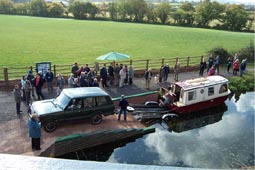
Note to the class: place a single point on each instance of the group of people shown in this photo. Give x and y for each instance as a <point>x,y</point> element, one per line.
<point>116,74</point>
<point>213,65</point>
<point>164,71</point>
<point>30,84</point>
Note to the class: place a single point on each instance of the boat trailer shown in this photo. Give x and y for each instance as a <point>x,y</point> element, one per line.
<point>150,110</point>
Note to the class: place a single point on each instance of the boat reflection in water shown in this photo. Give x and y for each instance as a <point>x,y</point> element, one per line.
<point>190,121</point>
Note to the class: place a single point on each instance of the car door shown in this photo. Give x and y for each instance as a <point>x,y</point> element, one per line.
<point>74,109</point>
<point>104,105</point>
<point>88,109</point>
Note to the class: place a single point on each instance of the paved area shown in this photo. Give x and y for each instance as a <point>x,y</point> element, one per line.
<point>14,133</point>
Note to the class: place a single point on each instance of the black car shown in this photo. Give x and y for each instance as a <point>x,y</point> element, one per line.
<point>74,104</point>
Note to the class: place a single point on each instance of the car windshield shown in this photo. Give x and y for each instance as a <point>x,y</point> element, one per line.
<point>62,101</point>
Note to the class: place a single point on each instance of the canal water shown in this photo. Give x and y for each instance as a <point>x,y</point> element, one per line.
<point>220,140</point>
<point>216,138</point>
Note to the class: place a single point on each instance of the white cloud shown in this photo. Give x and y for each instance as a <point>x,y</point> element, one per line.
<point>246,102</point>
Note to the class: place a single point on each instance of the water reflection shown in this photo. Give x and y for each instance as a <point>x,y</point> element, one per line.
<point>228,143</point>
<point>195,120</point>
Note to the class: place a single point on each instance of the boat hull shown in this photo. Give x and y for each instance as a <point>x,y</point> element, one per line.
<point>197,106</point>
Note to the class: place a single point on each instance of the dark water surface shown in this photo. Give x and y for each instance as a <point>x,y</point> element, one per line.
<point>216,140</point>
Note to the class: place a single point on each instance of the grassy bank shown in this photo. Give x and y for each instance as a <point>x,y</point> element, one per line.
<point>26,40</point>
<point>239,85</point>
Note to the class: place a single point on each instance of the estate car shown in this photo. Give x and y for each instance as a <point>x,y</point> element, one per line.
<point>74,104</point>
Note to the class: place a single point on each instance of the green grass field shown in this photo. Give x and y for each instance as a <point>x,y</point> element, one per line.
<point>25,40</point>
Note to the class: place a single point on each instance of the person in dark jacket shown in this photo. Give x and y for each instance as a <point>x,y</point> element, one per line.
<point>166,72</point>
<point>123,104</point>
<point>74,70</point>
<point>103,75</point>
<point>111,73</point>
<point>49,76</point>
<point>202,67</point>
<point>17,97</point>
<point>34,132</point>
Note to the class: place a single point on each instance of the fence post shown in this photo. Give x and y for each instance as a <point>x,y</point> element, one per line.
<point>163,61</point>
<point>5,75</point>
<point>54,70</point>
<point>188,58</point>
<point>147,64</point>
<point>131,62</point>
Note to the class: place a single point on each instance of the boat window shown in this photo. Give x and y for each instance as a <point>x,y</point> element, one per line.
<point>223,88</point>
<point>210,91</point>
<point>191,95</point>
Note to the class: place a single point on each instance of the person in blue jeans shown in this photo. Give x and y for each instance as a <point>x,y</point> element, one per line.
<point>123,104</point>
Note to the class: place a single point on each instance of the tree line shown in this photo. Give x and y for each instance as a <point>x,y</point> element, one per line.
<point>205,14</point>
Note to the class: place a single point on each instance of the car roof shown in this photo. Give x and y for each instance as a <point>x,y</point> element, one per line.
<point>84,92</point>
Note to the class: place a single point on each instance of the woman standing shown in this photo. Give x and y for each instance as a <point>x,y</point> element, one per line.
<point>34,132</point>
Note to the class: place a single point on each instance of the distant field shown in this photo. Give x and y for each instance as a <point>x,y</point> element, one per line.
<point>26,40</point>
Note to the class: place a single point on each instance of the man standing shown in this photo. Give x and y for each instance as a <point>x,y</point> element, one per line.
<point>74,70</point>
<point>123,104</point>
<point>103,75</point>
<point>111,73</point>
<point>176,70</point>
<point>217,64</point>
<point>148,76</point>
<point>17,97</point>
<point>34,132</point>
<point>49,78</point>
<point>116,74</point>
<point>166,72</point>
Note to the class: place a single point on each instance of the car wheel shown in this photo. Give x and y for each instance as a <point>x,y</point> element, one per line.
<point>50,126</point>
<point>97,119</point>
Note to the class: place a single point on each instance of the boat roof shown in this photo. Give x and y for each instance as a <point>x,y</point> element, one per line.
<point>201,82</point>
<point>84,92</point>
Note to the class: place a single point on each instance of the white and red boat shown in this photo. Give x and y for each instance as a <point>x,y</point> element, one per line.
<point>196,94</point>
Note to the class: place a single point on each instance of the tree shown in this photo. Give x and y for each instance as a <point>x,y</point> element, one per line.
<point>22,8</point>
<point>137,8</point>
<point>151,13</point>
<point>83,10</point>
<point>207,11</point>
<point>189,13</point>
<point>38,8</point>
<point>122,9</point>
<point>6,7</point>
<point>112,8</point>
<point>179,16</point>
<point>163,11</point>
<point>78,9</point>
<point>56,10</point>
<point>235,18</point>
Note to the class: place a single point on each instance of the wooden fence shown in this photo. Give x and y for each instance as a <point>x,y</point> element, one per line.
<point>15,73</point>
<point>12,75</point>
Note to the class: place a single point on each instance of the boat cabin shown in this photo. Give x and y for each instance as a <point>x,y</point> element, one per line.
<point>203,90</point>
